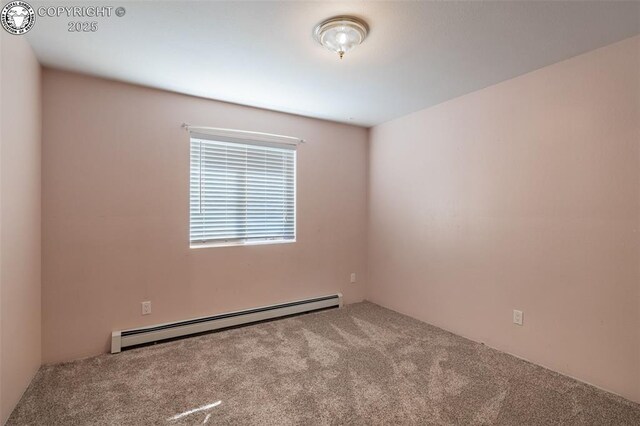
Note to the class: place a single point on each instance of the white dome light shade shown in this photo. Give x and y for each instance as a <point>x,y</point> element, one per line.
<point>341,34</point>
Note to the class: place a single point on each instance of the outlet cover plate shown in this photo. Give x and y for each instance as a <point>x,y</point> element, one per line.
<point>518,317</point>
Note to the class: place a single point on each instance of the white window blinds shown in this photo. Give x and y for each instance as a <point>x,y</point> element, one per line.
<point>241,192</point>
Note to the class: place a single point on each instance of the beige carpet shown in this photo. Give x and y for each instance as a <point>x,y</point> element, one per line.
<point>362,365</point>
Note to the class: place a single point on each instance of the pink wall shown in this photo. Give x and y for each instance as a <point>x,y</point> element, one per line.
<point>523,195</point>
<point>116,216</point>
<point>20,353</point>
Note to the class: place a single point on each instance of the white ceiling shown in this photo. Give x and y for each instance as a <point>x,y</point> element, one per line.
<point>262,54</point>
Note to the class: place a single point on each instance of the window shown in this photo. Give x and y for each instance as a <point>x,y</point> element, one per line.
<point>241,193</point>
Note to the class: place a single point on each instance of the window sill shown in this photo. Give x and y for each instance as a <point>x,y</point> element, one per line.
<point>239,244</point>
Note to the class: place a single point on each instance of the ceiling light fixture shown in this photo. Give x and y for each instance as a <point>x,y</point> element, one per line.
<point>341,33</point>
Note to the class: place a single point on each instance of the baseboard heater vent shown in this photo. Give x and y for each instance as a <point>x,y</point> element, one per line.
<point>156,333</point>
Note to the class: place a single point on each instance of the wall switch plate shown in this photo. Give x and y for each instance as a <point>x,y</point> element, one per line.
<point>517,317</point>
<point>353,277</point>
<point>146,308</point>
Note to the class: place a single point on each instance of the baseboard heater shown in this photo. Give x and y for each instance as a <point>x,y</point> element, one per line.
<point>156,333</point>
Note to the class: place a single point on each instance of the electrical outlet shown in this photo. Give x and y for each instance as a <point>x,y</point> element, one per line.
<point>353,277</point>
<point>146,308</point>
<point>517,317</point>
